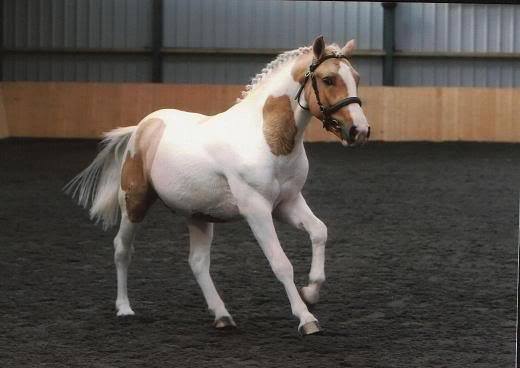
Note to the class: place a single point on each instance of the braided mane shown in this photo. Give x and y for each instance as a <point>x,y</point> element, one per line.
<point>270,67</point>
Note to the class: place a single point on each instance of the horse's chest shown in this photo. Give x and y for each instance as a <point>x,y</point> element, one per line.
<point>289,186</point>
<point>290,179</point>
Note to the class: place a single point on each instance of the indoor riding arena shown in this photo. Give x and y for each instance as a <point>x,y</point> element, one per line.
<point>415,174</point>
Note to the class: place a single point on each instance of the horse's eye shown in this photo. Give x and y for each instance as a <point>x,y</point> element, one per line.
<point>328,81</point>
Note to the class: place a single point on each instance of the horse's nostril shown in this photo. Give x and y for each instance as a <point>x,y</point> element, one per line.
<point>368,133</point>
<point>352,133</point>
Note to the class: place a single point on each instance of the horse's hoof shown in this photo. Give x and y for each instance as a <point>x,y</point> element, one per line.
<point>124,311</point>
<point>224,323</point>
<point>310,328</point>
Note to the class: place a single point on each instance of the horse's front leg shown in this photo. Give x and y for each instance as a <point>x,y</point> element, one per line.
<point>257,211</point>
<point>296,212</point>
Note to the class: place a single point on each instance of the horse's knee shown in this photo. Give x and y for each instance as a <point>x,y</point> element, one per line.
<point>318,232</point>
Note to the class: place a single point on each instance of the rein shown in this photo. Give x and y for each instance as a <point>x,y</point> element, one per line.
<point>329,123</point>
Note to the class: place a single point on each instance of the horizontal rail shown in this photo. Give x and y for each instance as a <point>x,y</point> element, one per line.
<point>456,55</point>
<point>257,51</point>
<point>251,51</point>
<point>71,51</point>
<point>167,51</point>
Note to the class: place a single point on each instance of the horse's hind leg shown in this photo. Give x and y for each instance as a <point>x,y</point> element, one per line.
<point>123,249</point>
<point>136,195</point>
<point>201,235</point>
<point>135,199</point>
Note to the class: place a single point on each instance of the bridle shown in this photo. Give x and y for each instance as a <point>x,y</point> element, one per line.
<point>329,123</point>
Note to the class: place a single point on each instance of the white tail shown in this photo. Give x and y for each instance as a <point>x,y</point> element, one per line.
<point>99,183</point>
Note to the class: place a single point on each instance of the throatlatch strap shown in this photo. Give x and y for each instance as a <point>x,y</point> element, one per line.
<point>298,94</point>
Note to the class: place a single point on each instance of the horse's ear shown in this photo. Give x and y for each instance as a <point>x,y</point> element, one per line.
<point>318,47</point>
<point>349,47</point>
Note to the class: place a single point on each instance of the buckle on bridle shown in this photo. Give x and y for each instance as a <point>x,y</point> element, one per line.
<point>331,124</point>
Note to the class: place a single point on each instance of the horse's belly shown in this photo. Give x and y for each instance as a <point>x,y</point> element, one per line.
<point>189,186</point>
<point>212,200</point>
<point>217,206</point>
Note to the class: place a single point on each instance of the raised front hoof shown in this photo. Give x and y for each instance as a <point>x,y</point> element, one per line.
<point>125,311</point>
<point>224,323</point>
<point>310,328</point>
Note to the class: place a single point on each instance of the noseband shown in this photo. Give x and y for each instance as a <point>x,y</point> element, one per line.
<point>328,121</point>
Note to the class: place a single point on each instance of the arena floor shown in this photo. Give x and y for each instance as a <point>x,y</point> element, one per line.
<point>421,267</point>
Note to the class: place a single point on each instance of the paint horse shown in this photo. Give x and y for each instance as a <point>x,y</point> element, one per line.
<point>248,161</point>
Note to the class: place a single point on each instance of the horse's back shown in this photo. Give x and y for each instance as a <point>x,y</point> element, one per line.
<point>174,116</point>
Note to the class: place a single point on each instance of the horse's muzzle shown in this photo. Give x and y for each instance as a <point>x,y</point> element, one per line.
<point>355,136</point>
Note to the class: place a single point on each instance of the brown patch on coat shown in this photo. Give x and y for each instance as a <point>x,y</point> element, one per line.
<point>135,179</point>
<point>279,126</point>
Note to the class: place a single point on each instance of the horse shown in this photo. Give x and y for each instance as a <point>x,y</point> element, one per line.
<point>246,162</point>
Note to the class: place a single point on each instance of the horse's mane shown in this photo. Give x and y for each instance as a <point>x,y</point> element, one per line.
<point>270,67</point>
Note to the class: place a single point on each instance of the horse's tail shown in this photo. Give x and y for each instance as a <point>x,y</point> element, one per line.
<point>99,183</point>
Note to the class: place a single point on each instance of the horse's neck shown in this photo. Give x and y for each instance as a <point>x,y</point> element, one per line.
<point>282,84</point>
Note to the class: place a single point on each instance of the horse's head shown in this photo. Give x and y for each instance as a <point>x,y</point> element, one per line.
<point>329,84</point>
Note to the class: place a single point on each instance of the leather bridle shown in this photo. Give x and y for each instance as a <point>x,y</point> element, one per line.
<point>329,123</point>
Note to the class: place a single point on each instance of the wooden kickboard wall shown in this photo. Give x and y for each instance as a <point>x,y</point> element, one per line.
<point>85,110</point>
